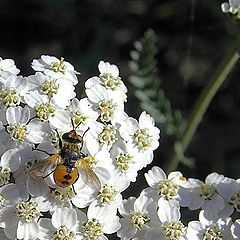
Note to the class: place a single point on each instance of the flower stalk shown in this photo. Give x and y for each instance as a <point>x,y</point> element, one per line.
<point>202,103</point>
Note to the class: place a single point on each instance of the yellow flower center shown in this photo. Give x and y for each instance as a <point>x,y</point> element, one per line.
<point>50,87</point>
<point>142,139</point>
<point>139,219</point>
<point>92,230</point>
<point>9,97</point>
<point>58,66</point>
<point>123,161</point>
<point>109,81</point>
<point>63,194</point>
<point>235,201</point>
<point>167,189</point>
<point>213,233</point>
<point>207,191</point>
<point>107,194</point>
<point>44,111</point>
<point>27,211</point>
<point>173,230</point>
<point>18,131</point>
<point>107,108</point>
<point>108,135</point>
<point>64,234</point>
<point>4,175</point>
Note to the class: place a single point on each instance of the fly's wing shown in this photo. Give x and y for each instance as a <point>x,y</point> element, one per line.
<point>87,174</point>
<point>44,167</point>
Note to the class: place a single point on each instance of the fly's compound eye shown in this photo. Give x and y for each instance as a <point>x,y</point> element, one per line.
<point>65,177</point>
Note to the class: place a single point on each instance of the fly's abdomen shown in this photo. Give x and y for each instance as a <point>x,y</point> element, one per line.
<point>64,176</point>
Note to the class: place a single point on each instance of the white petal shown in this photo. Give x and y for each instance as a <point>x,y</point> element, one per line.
<point>155,176</point>
<point>112,225</point>
<point>34,99</point>
<point>127,206</point>
<point>46,229</point>
<point>13,115</point>
<point>145,120</point>
<point>141,203</point>
<point>10,232</point>
<point>154,234</point>
<point>167,211</point>
<point>27,231</point>
<point>64,217</point>
<point>60,120</point>
<point>37,187</point>
<point>225,7</point>
<point>10,194</point>
<point>214,178</point>
<point>127,231</point>
<point>11,159</point>
<point>8,217</point>
<point>25,115</point>
<point>91,82</point>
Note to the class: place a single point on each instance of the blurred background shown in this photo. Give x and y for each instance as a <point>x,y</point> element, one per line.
<point>192,37</point>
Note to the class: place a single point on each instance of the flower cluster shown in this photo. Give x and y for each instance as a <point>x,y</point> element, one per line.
<point>47,134</point>
<point>38,115</point>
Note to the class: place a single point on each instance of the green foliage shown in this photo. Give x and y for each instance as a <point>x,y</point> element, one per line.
<point>147,85</point>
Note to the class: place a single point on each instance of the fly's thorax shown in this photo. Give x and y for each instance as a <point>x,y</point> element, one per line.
<point>70,151</point>
<point>72,146</point>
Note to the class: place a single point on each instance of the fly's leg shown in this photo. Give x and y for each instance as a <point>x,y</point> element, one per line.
<point>40,150</point>
<point>59,139</point>
<point>48,174</point>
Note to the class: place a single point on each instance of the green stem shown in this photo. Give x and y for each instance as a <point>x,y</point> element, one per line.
<point>203,102</point>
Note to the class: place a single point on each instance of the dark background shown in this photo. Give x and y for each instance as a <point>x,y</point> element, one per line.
<point>85,32</point>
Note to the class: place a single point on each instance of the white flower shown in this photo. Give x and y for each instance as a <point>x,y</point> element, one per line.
<point>233,7</point>
<point>56,68</point>
<point>205,195</point>
<point>229,189</point>
<point>203,229</point>
<point>7,68</point>
<point>12,90</point>
<point>138,216</point>
<point>57,198</point>
<point>109,108</point>
<point>10,162</point>
<point>21,129</point>
<point>126,160</point>
<point>109,197</point>
<point>103,136</point>
<point>20,220</point>
<point>170,226</point>
<point>163,188</point>
<point>60,91</point>
<point>98,223</point>
<point>143,134</point>
<point>83,114</point>
<point>47,111</point>
<point>63,225</point>
<point>110,80</point>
